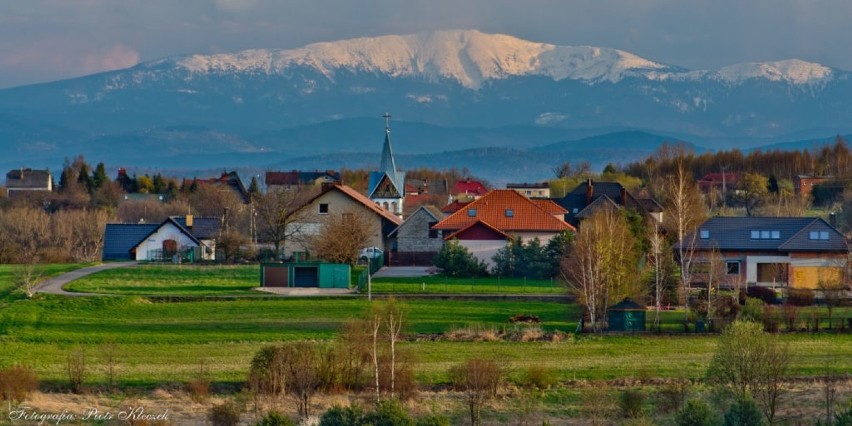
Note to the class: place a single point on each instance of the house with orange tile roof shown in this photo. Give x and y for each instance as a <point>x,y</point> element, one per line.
<point>339,199</point>
<point>484,225</point>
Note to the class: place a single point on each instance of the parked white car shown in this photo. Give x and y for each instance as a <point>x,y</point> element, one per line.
<point>371,252</point>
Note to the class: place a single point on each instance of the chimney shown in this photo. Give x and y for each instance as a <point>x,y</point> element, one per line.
<point>189,221</point>
<point>623,197</point>
<point>832,219</point>
<point>425,186</point>
<point>590,191</point>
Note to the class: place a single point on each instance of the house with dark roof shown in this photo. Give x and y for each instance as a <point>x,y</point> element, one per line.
<point>227,181</point>
<point>277,181</point>
<point>582,201</point>
<point>417,243</point>
<point>785,252</point>
<point>334,200</point>
<point>191,238</point>
<point>531,190</point>
<point>20,180</point>
<point>485,225</point>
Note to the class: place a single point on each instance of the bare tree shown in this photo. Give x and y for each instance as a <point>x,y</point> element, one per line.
<point>656,259</point>
<point>393,314</point>
<point>832,295</point>
<point>685,212</point>
<point>27,276</point>
<point>716,271</point>
<point>479,380</point>
<point>278,215</point>
<point>601,266</point>
<point>76,369</point>
<point>342,236</point>
<point>374,325</point>
<point>302,377</point>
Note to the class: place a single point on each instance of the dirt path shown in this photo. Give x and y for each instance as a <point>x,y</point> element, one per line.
<point>55,284</point>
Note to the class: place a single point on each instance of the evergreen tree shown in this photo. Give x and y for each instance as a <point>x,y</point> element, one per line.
<point>253,189</point>
<point>85,178</point>
<point>100,177</point>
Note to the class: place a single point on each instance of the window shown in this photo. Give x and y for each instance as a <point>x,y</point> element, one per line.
<point>823,235</point>
<point>433,233</point>
<point>323,208</point>
<point>510,213</point>
<point>732,267</point>
<point>705,234</point>
<point>755,235</point>
<point>764,235</point>
<point>575,210</point>
<point>813,235</point>
<point>776,235</point>
<point>471,212</point>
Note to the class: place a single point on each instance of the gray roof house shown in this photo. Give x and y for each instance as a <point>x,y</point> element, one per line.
<point>792,252</point>
<point>416,242</point>
<point>28,180</point>
<point>184,235</point>
<point>586,198</point>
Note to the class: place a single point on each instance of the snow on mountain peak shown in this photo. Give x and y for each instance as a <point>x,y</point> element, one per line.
<point>467,56</point>
<point>793,71</point>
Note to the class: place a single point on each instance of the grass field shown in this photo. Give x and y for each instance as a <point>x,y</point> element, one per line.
<point>7,274</point>
<point>167,342</point>
<point>437,284</point>
<point>184,280</point>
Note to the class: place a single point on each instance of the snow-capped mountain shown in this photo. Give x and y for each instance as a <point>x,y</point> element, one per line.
<point>444,80</point>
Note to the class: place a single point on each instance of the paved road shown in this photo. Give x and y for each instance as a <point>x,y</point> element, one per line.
<point>55,284</point>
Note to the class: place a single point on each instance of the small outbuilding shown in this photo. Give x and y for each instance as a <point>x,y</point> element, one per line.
<point>626,315</point>
<point>305,274</point>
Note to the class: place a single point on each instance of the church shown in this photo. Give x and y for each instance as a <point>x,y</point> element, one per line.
<point>387,185</point>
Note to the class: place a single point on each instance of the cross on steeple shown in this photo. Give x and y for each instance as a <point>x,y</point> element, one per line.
<point>387,117</point>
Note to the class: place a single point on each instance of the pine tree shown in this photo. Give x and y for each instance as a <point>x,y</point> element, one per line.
<point>100,177</point>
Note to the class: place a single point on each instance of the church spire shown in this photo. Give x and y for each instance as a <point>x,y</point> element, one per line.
<point>388,164</point>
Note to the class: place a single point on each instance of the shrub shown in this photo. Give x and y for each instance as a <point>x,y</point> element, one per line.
<point>16,383</point>
<point>672,396</point>
<point>791,314</point>
<point>342,416</point>
<point>456,261</point>
<point>274,418</point>
<point>631,402</point>
<point>198,389</point>
<point>744,413</point>
<point>225,414</point>
<point>753,310</point>
<point>770,319</point>
<point>478,379</point>
<point>767,295</point>
<point>540,377</point>
<point>76,369</point>
<point>800,297</point>
<point>388,413</point>
<point>525,318</point>
<point>433,420</point>
<point>268,370</point>
<point>697,413</point>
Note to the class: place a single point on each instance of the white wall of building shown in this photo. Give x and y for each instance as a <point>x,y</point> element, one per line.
<point>155,241</point>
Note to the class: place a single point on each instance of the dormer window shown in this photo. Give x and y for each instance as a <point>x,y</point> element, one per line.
<point>575,210</point>
<point>510,213</point>
<point>471,212</point>
<point>704,234</point>
<point>776,235</point>
<point>818,235</point>
<point>755,235</point>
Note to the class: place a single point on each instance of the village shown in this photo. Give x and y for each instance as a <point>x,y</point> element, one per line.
<point>656,250</point>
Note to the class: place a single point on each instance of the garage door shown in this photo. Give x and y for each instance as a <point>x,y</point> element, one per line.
<point>306,277</point>
<point>275,276</point>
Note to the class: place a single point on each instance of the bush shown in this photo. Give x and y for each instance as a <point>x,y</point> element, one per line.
<point>697,413</point>
<point>744,413</point>
<point>631,402</point>
<point>388,413</point>
<point>671,396</point>
<point>800,297</point>
<point>274,418</point>
<point>753,310</point>
<point>791,314</point>
<point>198,389</point>
<point>225,414</point>
<point>268,370</point>
<point>770,319</point>
<point>767,295</point>
<point>540,377</point>
<point>342,416</point>
<point>456,261</point>
<point>433,420</point>
<point>525,318</point>
<point>16,383</point>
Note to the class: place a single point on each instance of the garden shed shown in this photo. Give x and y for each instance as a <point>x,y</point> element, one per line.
<point>626,315</point>
<point>305,274</point>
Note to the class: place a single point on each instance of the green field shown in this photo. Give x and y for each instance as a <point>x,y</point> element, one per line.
<point>184,280</point>
<point>7,274</point>
<point>436,284</point>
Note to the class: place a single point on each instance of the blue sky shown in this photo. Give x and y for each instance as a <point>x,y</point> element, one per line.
<point>45,40</point>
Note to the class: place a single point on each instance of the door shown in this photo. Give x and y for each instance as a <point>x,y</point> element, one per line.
<point>306,276</point>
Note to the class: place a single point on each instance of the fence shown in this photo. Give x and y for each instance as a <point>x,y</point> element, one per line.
<point>187,255</point>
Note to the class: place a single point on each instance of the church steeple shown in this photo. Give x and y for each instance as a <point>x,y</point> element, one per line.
<point>387,185</point>
<point>388,164</point>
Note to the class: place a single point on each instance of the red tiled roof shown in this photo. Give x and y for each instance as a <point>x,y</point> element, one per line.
<point>550,206</point>
<point>473,187</point>
<point>361,198</point>
<point>491,208</point>
<point>454,206</point>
